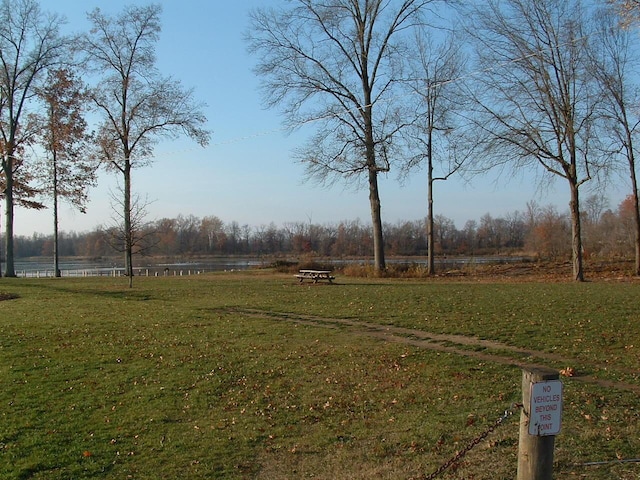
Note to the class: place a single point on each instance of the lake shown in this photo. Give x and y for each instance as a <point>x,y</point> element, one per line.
<point>75,267</point>
<point>78,267</point>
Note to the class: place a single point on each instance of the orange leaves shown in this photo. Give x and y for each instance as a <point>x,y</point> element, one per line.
<point>568,372</point>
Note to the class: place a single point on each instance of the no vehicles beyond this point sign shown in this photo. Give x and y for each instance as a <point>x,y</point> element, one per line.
<point>546,408</point>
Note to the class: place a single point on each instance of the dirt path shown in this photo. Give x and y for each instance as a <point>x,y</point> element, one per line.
<point>457,344</point>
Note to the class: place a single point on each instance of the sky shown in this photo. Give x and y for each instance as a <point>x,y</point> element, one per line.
<point>246,173</point>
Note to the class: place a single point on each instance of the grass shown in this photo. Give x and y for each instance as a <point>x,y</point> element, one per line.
<point>246,376</point>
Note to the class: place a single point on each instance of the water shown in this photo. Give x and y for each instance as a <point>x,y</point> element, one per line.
<point>91,268</point>
<point>77,267</point>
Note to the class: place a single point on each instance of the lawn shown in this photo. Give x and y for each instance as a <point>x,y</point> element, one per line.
<point>254,376</point>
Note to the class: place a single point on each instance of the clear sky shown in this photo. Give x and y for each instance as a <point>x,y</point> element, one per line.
<point>247,174</point>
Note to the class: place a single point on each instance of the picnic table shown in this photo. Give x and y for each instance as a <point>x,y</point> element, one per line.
<point>315,275</point>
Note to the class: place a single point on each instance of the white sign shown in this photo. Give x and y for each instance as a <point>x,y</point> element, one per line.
<point>546,408</point>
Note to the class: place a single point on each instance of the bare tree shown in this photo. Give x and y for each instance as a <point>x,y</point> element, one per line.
<point>213,232</point>
<point>437,131</point>
<point>336,63</point>
<point>615,66</point>
<point>536,96</point>
<point>69,170</point>
<point>629,11</point>
<point>137,104</point>
<point>138,234</point>
<point>594,208</point>
<point>30,44</point>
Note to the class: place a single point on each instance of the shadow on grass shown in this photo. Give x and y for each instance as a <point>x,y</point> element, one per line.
<point>8,296</point>
<point>115,293</point>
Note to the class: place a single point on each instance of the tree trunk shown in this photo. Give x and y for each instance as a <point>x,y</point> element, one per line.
<point>636,206</point>
<point>431,265</point>
<point>8,217</point>
<point>128,234</point>
<point>376,218</point>
<point>637,228</point>
<point>56,256</point>
<point>576,234</point>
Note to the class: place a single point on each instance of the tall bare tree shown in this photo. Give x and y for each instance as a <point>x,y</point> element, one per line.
<point>68,170</point>
<point>615,66</point>
<point>30,44</point>
<point>336,63</point>
<point>536,96</point>
<point>438,132</point>
<point>138,105</point>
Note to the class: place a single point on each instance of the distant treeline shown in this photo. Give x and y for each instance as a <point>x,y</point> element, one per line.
<point>539,231</point>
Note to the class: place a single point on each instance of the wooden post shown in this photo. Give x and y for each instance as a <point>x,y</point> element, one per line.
<point>535,453</point>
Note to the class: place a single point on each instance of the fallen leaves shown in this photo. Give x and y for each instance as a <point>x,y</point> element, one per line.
<point>568,372</point>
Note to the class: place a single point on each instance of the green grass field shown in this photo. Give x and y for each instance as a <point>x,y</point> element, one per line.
<point>253,376</point>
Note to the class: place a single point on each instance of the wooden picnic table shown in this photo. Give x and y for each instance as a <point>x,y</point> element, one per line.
<point>315,275</point>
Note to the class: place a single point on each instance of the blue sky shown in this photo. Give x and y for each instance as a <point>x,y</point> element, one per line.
<point>247,174</point>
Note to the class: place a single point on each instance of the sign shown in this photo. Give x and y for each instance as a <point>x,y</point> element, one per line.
<point>545,410</point>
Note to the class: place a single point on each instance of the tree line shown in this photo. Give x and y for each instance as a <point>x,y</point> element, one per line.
<point>539,88</point>
<point>539,232</point>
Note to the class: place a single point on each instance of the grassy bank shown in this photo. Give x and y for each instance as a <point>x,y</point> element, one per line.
<point>249,375</point>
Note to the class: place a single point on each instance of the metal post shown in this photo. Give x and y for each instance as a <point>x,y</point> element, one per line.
<point>535,452</point>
